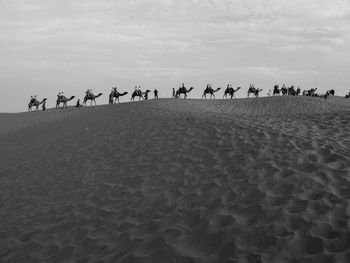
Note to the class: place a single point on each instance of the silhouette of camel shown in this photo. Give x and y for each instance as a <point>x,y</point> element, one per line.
<point>276,90</point>
<point>284,90</point>
<point>184,91</point>
<point>91,97</point>
<point>139,94</point>
<point>328,93</point>
<point>347,95</point>
<point>116,95</point>
<point>35,103</point>
<point>63,99</point>
<point>255,91</point>
<point>211,91</point>
<point>230,91</point>
<point>292,91</point>
<point>310,92</point>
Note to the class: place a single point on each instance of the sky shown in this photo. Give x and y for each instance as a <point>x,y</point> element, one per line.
<point>51,46</point>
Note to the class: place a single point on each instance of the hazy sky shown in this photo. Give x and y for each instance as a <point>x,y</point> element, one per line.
<point>48,46</point>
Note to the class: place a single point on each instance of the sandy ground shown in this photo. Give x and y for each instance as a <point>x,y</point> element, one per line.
<point>246,180</point>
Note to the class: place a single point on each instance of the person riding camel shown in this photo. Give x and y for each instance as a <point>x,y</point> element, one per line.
<point>89,92</point>
<point>60,95</point>
<point>32,99</point>
<point>137,90</point>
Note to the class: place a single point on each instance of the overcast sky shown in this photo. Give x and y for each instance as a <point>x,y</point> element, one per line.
<point>48,46</point>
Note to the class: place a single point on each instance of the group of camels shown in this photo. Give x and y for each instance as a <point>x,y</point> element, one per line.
<point>64,100</point>
<point>61,102</point>
<point>229,92</point>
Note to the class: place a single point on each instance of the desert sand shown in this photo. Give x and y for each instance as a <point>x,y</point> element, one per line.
<point>245,180</point>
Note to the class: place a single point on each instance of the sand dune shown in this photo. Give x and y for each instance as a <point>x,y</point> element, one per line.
<point>246,180</point>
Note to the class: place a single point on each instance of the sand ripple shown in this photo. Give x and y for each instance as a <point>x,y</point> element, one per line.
<point>179,181</point>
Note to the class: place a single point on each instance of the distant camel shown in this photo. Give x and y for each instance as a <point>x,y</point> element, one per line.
<point>254,91</point>
<point>184,91</point>
<point>35,103</point>
<point>292,91</point>
<point>328,93</point>
<point>140,94</point>
<point>310,92</point>
<point>230,91</point>
<point>91,97</point>
<point>211,91</point>
<point>347,95</point>
<point>276,90</point>
<point>63,99</point>
<point>115,94</point>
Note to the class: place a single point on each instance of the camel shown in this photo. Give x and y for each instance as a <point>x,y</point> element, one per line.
<point>254,91</point>
<point>276,90</point>
<point>291,91</point>
<point>328,93</point>
<point>115,94</point>
<point>347,95</point>
<point>284,90</point>
<point>310,92</point>
<point>63,99</point>
<point>91,97</point>
<point>231,91</point>
<point>184,91</point>
<point>211,91</point>
<point>35,103</point>
<point>140,94</point>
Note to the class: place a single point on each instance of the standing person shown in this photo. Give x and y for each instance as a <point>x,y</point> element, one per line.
<point>156,94</point>
<point>44,105</point>
<point>78,103</point>
<point>173,92</point>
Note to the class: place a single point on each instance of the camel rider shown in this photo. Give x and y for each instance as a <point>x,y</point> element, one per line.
<point>137,90</point>
<point>89,92</point>
<point>32,100</point>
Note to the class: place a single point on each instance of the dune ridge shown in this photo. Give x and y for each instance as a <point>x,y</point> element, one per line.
<point>251,180</point>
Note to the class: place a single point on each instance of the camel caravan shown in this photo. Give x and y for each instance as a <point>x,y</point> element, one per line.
<point>181,93</point>
<point>35,103</point>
